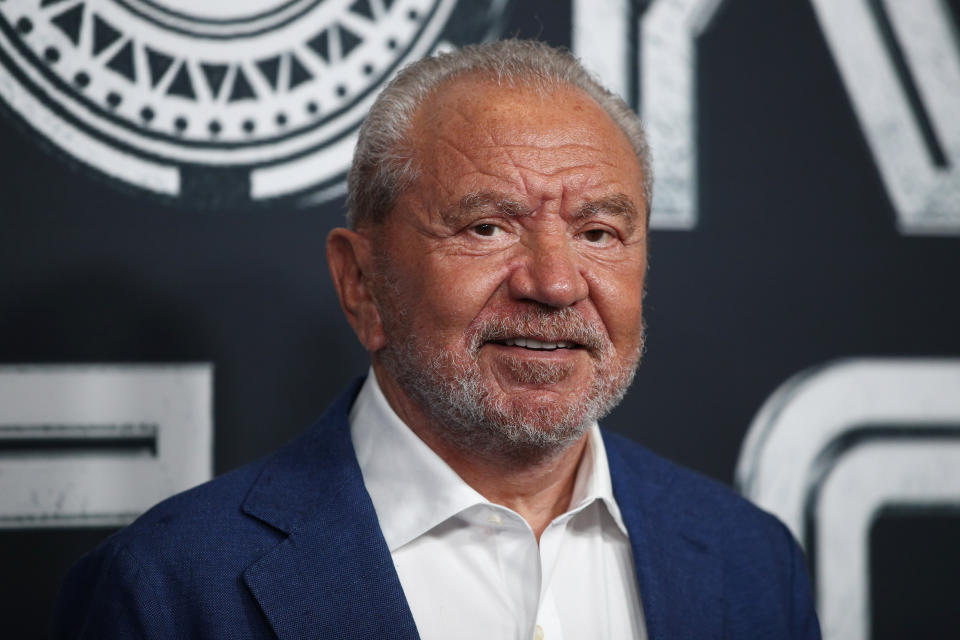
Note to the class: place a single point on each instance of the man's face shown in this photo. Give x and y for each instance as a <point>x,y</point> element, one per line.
<point>511,274</point>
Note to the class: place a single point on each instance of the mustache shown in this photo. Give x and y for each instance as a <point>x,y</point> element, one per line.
<point>542,323</point>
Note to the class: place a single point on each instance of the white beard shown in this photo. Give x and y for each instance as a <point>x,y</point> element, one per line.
<point>475,417</point>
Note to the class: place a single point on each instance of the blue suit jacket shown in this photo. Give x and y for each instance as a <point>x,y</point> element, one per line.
<point>290,547</point>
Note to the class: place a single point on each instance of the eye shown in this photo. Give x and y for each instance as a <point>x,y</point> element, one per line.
<point>597,236</point>
<point>486,229</point>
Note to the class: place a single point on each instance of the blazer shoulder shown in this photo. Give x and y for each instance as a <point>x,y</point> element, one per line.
<point>204,526</point>
<point>761,569</point>
<point>182,569</point>
<point>706,501</point>
<point>189,548</point>
<point>204,514</point>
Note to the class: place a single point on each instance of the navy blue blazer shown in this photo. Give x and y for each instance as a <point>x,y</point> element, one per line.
<point>290,547</point>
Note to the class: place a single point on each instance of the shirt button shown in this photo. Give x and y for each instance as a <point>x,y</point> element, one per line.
<point>538,633</point>
<point>494,518</point>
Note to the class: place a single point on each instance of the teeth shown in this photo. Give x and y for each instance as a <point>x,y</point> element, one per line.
<point>530,343</point>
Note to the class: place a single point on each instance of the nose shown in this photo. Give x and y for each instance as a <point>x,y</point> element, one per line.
<point>548,272</point>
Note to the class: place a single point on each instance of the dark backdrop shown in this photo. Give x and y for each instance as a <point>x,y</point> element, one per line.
<point>796,260</point>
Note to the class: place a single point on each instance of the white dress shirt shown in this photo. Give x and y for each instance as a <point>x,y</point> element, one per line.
<point>472,569</point>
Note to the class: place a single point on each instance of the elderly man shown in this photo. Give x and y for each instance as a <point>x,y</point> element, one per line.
<point>494,270</point>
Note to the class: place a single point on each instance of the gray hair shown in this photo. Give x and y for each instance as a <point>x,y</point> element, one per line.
<point>383,164</point>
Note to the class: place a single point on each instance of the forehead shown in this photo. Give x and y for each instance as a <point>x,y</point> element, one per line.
<point>475,135</point>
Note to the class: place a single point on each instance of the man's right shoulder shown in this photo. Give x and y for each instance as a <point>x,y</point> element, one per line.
<point>193,547</point>
<point>195,514</point>
<point>183,561</point>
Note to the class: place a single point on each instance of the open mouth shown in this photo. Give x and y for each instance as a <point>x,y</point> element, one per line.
<point>537,345</point>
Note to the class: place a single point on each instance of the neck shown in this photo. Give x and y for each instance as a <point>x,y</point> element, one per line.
<point>538,490</point>
<point>538,485</point>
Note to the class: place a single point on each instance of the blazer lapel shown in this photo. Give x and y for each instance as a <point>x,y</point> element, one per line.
<point>678,572</point>
<point>332,577</point>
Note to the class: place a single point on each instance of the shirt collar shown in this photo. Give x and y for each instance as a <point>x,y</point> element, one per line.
<point>414,490</point>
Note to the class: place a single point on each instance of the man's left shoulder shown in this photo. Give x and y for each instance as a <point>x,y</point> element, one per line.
<point>698,499</point>
<point>753,546</point>
<point>743,555</point>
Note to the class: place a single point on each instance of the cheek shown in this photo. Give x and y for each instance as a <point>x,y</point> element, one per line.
<point>453,292</point>
<point>618,297</point>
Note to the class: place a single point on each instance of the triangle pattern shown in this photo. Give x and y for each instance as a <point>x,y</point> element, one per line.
<point>363,8</point>
<point>122,62</point>
<point>104,34</point>
<point>298,73</point>
<point>47,3</point>
<point>158,63</point>
<point>182,85</point>
<point>348,41</point>
<point>215,74</point>
<point>320,44</point>
<point>241,87</point>
<point>270,68</point>
<point>69,22</point>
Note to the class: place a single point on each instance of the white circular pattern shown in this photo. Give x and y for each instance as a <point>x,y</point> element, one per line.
<point>214,10</point>
<point>245,85</point>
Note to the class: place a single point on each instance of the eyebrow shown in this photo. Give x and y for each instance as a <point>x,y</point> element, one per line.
<point>617,204</point>
<point>491,201</point>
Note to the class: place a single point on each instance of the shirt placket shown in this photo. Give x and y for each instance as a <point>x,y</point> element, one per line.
<point>547,625</point>
<point>519,563</point>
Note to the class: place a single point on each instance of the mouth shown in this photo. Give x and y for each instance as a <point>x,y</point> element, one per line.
<point>535,344</point>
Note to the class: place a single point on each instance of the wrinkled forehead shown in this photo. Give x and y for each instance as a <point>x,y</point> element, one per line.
<point>473,132</point>
<point>476,109</point>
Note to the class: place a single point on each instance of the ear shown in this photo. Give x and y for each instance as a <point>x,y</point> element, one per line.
<point>349,257</point>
